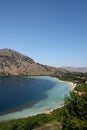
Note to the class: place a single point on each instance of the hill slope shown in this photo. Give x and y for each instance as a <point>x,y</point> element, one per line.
<point>15,63</point>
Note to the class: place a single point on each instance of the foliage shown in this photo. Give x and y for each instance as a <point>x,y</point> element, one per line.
<point>75,112</point>
<point>73,115</point>
<point>31,122</point>
<point>82,88</point>
<point>76,77</point>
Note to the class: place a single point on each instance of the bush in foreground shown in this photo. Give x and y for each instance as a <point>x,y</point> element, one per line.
<point>75,112</point>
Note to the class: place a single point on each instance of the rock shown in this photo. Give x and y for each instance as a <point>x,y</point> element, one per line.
<point>15,63</point>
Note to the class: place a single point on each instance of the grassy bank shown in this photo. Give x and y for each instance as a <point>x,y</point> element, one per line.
<point>33,122</point>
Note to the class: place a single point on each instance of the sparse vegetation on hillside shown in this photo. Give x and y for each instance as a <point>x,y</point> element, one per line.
<point>14,63</point>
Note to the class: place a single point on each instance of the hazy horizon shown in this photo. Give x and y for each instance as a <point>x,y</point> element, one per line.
<point>50,32</point>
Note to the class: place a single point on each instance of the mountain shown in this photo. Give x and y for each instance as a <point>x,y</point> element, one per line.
<point>15,63</point>
<point>76,69</point>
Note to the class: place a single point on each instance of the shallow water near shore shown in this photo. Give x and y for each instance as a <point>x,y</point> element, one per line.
<point>34,95</point>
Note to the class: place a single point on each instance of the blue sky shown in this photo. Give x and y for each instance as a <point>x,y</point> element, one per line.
<point>52,32</point>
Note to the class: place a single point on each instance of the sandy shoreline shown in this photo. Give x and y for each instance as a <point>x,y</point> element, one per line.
<point>51,110</point>
<point>70,84</point>
<point>30,112</point>
<point>73,85</point>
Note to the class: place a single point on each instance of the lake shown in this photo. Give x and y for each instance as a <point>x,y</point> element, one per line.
<point>27,96</point>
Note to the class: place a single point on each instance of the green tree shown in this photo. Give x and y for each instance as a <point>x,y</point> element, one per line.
<point>75,112</point>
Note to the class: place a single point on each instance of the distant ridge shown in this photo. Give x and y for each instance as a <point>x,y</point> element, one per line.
<point>76,69</point>
<point>15,63</point>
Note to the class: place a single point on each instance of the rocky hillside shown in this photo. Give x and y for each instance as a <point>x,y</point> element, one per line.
<point>14,63</point>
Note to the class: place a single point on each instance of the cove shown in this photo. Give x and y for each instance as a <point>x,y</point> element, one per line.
<point>27,96</point>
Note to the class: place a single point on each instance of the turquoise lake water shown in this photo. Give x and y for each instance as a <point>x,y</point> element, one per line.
<point>27,96</point>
